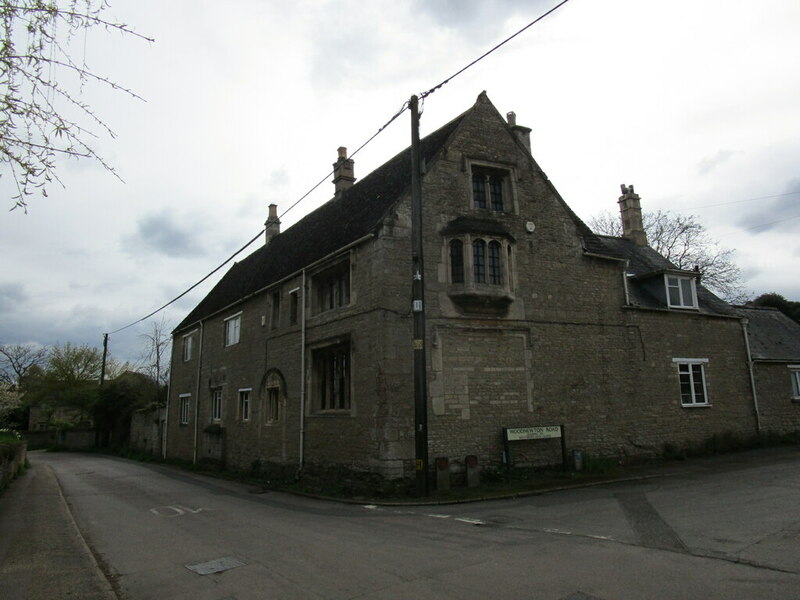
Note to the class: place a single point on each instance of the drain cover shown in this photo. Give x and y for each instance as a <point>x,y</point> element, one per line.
<point>216,566</point>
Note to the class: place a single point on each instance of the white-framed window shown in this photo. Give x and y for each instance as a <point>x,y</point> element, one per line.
<point>681,291</point>
<point>185,402</point>
<point>794,373</point>
<point>692,377</point>
<point>233,326</point>
<point>244,404</point>
<point>216,405</point>
<point>188,345</point>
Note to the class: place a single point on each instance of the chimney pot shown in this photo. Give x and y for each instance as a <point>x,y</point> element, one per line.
<point>343,172</point>
<point>272,226</point>
<point>631,214</point>
<point>523,134</point>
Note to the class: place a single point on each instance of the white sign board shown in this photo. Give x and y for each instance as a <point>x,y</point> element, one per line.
<point>514,434</point>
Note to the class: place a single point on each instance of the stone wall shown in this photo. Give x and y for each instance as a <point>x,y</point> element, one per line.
<point>146,431</point>
<point>780,413</point>
<point>12,457</point>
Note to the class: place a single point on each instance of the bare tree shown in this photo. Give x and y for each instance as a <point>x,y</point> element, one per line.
<point>684,241</point>
<point>155,358</point>
<point>42,116</point>
<point>17,359</point>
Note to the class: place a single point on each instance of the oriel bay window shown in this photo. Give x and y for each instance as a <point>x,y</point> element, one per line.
<point>331,377</point>
<point>487,260</point>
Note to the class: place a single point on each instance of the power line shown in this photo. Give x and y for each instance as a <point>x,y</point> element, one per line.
<point>424,95</point>
<point>771,223</point>
<point>261,231</point>
<point>394,117</point>
<point>739,201</point>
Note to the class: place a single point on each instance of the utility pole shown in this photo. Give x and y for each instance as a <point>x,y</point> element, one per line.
<point>105,354</point>
<point>418,310</point>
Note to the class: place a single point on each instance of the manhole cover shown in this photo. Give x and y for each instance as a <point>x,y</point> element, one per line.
<point>215,566</point>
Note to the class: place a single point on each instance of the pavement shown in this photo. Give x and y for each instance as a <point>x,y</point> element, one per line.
<point>43,554</point>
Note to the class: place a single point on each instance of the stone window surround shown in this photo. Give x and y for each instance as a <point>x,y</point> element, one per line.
<point>468,282</point>
<point>216,405</point>
<point>317,351</point>
<point>331,286</point>
<point>274,397</point>
<point>690,364</point>
<point>509,175</point>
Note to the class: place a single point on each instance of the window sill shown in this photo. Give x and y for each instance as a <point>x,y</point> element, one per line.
<point>332,413</point>
<point>696,405</point>
<point>483,300</point>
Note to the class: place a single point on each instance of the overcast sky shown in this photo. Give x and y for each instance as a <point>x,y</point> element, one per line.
<point>693,101</point>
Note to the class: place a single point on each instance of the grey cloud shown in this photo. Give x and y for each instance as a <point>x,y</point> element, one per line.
<point>162,233</point>
<point>478,18</point>
<point>277,177</point>
<point>780,214</point>
<point>710,163</point>
<point>12,295</point>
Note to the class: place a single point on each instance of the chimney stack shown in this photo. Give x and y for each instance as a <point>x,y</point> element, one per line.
<point>343,177</point>
<point>523,134</point>
<point>272,226</point>
<point>631,212</point>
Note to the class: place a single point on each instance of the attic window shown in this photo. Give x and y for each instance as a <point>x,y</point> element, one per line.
<point>681,291</point>
<point>489,189</point>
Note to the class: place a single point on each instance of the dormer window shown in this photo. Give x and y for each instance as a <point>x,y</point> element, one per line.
<point>681,291</point>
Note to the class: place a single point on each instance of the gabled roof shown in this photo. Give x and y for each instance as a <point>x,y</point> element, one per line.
<point>359,211</point>
<point>643,263</point>
<point>772,335</point>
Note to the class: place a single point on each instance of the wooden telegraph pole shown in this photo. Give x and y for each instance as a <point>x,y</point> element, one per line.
<point>418,310</point>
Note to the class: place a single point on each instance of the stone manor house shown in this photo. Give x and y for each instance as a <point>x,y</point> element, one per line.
<point>301,356</point>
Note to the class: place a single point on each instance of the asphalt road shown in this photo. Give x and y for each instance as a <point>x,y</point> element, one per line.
<point>722,528</point>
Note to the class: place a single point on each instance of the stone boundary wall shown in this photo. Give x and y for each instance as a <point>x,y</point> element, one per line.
<point>11,461</point>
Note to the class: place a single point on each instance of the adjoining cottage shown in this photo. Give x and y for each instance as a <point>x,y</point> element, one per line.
<point>301,356</point>
<point>773,345</point>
